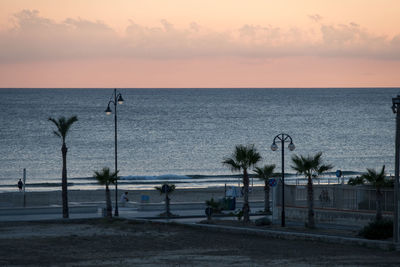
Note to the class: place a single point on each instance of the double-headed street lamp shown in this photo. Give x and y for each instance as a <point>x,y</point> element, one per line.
<point>396,230</point>
<point>283,138</point>
<point>115,99</point>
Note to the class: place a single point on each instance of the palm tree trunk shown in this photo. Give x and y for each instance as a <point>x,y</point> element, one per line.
<point>167,204</point>
<point>310,204</point>
<point>378,204</point>
<point>246,208</point>
<point>266,197</point>
<point>108,202</point>
<point>64,188</point>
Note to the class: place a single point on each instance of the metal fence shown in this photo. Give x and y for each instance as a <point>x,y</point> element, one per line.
<point>342,197</point>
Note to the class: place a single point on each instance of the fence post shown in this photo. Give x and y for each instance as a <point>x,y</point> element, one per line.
<point>356,202</point>
<point>23,186</point>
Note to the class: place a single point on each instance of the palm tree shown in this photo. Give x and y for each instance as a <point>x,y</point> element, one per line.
<point>63,125</point>
<point>243,158</point>
<point>311,167</point>
<point>166,189</point>
<point>106,178</point>
<point>377,180</point>
<point>264,174</point>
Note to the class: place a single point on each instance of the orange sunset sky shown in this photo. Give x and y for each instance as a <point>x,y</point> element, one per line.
<point>208,43</point>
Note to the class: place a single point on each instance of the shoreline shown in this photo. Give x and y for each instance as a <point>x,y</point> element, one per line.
<point>194,182</point>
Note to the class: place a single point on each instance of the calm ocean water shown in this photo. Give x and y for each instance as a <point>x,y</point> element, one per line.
<point>189,131</point>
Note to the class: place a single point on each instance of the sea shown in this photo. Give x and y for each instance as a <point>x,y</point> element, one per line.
<point>181,136</point>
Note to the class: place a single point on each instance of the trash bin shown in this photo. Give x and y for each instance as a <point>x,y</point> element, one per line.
<point>228,203</point>
<point>231,201</point>
<point>145,199</point>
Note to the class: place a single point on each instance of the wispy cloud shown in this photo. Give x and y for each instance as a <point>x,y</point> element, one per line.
<point>315,17</point>
<point>37,38</point>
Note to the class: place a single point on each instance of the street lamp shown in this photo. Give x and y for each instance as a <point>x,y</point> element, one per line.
<point>396,224</point>
<point>115,99</point>
<point>283,138</point>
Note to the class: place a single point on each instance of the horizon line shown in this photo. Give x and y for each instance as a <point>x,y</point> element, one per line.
<point>312,87</point>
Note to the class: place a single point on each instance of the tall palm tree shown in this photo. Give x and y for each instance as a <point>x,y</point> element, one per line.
<point>63,125</point>
<point>377,180</point>
<point>104,177</point>
<point>166,189</point>
<point>311,167</point>
<point>264,174</point>
<point>243,158</point>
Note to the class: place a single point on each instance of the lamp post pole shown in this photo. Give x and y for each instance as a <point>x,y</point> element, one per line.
<point>283,138</point>
<point>116,99</point>
<point>396,224</point>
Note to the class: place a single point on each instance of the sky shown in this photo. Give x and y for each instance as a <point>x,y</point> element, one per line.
<point>193,43</point>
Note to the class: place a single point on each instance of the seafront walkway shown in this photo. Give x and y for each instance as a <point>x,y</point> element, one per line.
<point>331,233</point>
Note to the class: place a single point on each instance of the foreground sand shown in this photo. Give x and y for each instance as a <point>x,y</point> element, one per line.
<point>87,196</point>
<point>127,243</point>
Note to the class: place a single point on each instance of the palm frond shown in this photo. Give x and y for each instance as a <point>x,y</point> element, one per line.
<point>171,188</point>
<point>310,166</point>
<point>159,189</point>
<point>63,125</point>
<point>57,134</point>
<point>324,168</point>
<point>56,123</point>
<point>298,164</point>
<point>374,178</point>
<point>266,172</point>
<point>105,177</point>
<point>232,164</point>
<point>356,181</point>
<point>243,157</point>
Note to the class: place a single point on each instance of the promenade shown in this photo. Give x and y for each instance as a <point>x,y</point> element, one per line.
<point>191,217</point>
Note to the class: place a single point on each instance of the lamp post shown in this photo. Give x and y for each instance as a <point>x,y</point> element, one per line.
<point>283,138</point>
<point>115,99</point>
<point>396,224</point>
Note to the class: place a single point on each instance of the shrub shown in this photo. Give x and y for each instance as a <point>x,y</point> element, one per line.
<point>214,205</point>
<point>378,229</point>
<point>239,214</point>
<point>263,221</point>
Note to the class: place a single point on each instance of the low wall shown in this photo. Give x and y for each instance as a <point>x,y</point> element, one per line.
<point>173,206</point>
<point>254,205</point>
<point>47,210</point>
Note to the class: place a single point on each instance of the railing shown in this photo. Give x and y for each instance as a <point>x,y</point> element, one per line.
<point>338,196</point>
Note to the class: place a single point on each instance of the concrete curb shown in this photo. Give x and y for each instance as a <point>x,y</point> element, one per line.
<point>46,210</point>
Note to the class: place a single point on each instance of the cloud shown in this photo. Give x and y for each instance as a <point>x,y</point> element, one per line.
<point>351,40</point>
<point>36,38</point>
<point>315,17</point>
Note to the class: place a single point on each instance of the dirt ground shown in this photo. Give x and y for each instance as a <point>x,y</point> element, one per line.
<point>101,242</point>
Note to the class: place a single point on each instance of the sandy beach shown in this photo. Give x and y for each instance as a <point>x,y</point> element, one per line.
<point>96,196</point>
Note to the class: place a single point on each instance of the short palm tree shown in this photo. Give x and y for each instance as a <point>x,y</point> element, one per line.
<point>377,180</point>
<point>166,189</point>
<point>243,158</point>
<point>105,177</point>
<point>311,167</point>
<point>63,125</point>
<point>264,174</point>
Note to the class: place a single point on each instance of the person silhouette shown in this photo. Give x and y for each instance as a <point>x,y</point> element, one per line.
<point>20,184</point>
<point>124,199</point>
